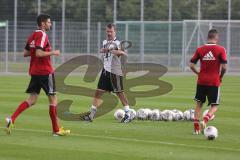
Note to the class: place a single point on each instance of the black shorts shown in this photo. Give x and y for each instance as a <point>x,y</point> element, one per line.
<point>110,82</point>
<point>211,92</point>
<point>46,82</point>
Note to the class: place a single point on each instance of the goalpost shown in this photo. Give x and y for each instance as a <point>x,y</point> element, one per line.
<point>173,43</point>
<point>195,34</point>
<point>4,29</point>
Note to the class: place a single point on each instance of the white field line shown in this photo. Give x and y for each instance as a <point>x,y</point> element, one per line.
<point>136,140</point>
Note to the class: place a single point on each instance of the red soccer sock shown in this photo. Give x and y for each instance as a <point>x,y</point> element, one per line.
<point>206,118</point>
<point>24,105</point>
<point>53,115</point>
<point>196,124</point>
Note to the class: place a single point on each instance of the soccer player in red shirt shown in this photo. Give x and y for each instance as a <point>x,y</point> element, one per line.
<point>42,75</point>
<point>213,60</point>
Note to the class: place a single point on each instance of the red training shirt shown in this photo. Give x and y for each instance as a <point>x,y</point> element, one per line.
<point>211,56</point>
<point>39,65</point>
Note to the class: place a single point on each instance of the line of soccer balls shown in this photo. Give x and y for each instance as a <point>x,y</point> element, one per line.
<point>210,132</point>
<point>157,115</point>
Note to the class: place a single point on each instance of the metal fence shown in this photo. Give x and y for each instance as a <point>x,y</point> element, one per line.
<point>168,43</point>
<point>165,37</point>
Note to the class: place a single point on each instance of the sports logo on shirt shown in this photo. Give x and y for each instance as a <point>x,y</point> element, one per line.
<point>209,57</point>
<point>32,44</point>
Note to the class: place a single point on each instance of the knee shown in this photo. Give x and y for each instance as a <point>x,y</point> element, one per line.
<point>98,94</point>
<point>31,102</point>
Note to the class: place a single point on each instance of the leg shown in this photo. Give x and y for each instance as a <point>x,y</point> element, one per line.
<point>197,115</point>
<point>97,97</point>
<point>210,113</point>
<point>124,101</point>
<point>31,100</point>
<point>53,112</point>
<point>122,98</point>
<point>48,85</point>
<point>96,103</point>
<point>33,90</point>
<point>23,106</point>
<point>213,99</point>
<point>200,98</point>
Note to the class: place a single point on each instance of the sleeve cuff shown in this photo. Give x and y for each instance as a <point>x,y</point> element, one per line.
<point>223,62</point>
<point>193,61</point>
<point>38,47</point>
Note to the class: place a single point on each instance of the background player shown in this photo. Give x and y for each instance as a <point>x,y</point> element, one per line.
<point>111,78</point>
<point>213,60</point>
<point>42,75</point>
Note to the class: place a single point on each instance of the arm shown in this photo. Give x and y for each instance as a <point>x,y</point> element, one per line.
<point>223,61</point>
<point>104,50</point>
<point>119,52</point>
<point>193,68</point>
<point>193,61</point>
<point>116,52</point>
<point>41,53</point>
<point>26,53</point>
<point>223,71</point>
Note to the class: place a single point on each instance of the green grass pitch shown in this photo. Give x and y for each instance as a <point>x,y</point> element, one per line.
<point>106,139</point>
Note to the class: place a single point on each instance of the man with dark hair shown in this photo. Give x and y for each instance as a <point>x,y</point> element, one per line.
<point>42,75</point>
<point>213,60</point>
<point>111,78</point>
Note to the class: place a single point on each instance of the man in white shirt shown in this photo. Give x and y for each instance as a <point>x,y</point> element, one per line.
<point>111,79</point>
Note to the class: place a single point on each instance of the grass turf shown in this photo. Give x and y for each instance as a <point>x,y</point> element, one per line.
<point>108,139</point>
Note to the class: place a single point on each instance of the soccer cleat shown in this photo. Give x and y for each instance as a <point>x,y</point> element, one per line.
<point>126,118</point>
<point>9,125</point>
<point>61,132</point>
<point>87,118</point>
<point>203,126</point>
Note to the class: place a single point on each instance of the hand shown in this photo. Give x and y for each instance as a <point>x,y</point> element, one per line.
<point>220,79</point>
<point>104,50</point>
<point>56,52</point>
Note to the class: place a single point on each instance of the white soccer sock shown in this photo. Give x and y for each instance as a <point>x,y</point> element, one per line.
<point>126,108</point>
<point>93,111</point>
<point>93,108</point>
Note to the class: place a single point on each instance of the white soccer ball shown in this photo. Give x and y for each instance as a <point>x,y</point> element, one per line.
<point>211,132</point>
<point>132,114</point>
<point>186,115</point>
<point>181,117</point>
<point>160,116</point>
<point>119,114</point>
<point>142,114</point>
<point>189,114</point>
<point>177,115</point>
<point>192,112</point>
<point>155,115</point>
<point>205,113</point>
<point>167,115</point>
<point>149,113</point>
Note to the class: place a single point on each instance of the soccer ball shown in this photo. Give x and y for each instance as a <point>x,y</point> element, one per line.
<point>205,113</point>
<point>132,113</point>
<point>167,115</point>
<point>142,114</point>
<point>177,115</point>
<point>192,112</point>
<point>155,116</point>
<point>189,114</point>
<point>211,132</point>
<point>119,114</point>
<point>149,113</point>
<point>186,115</point>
